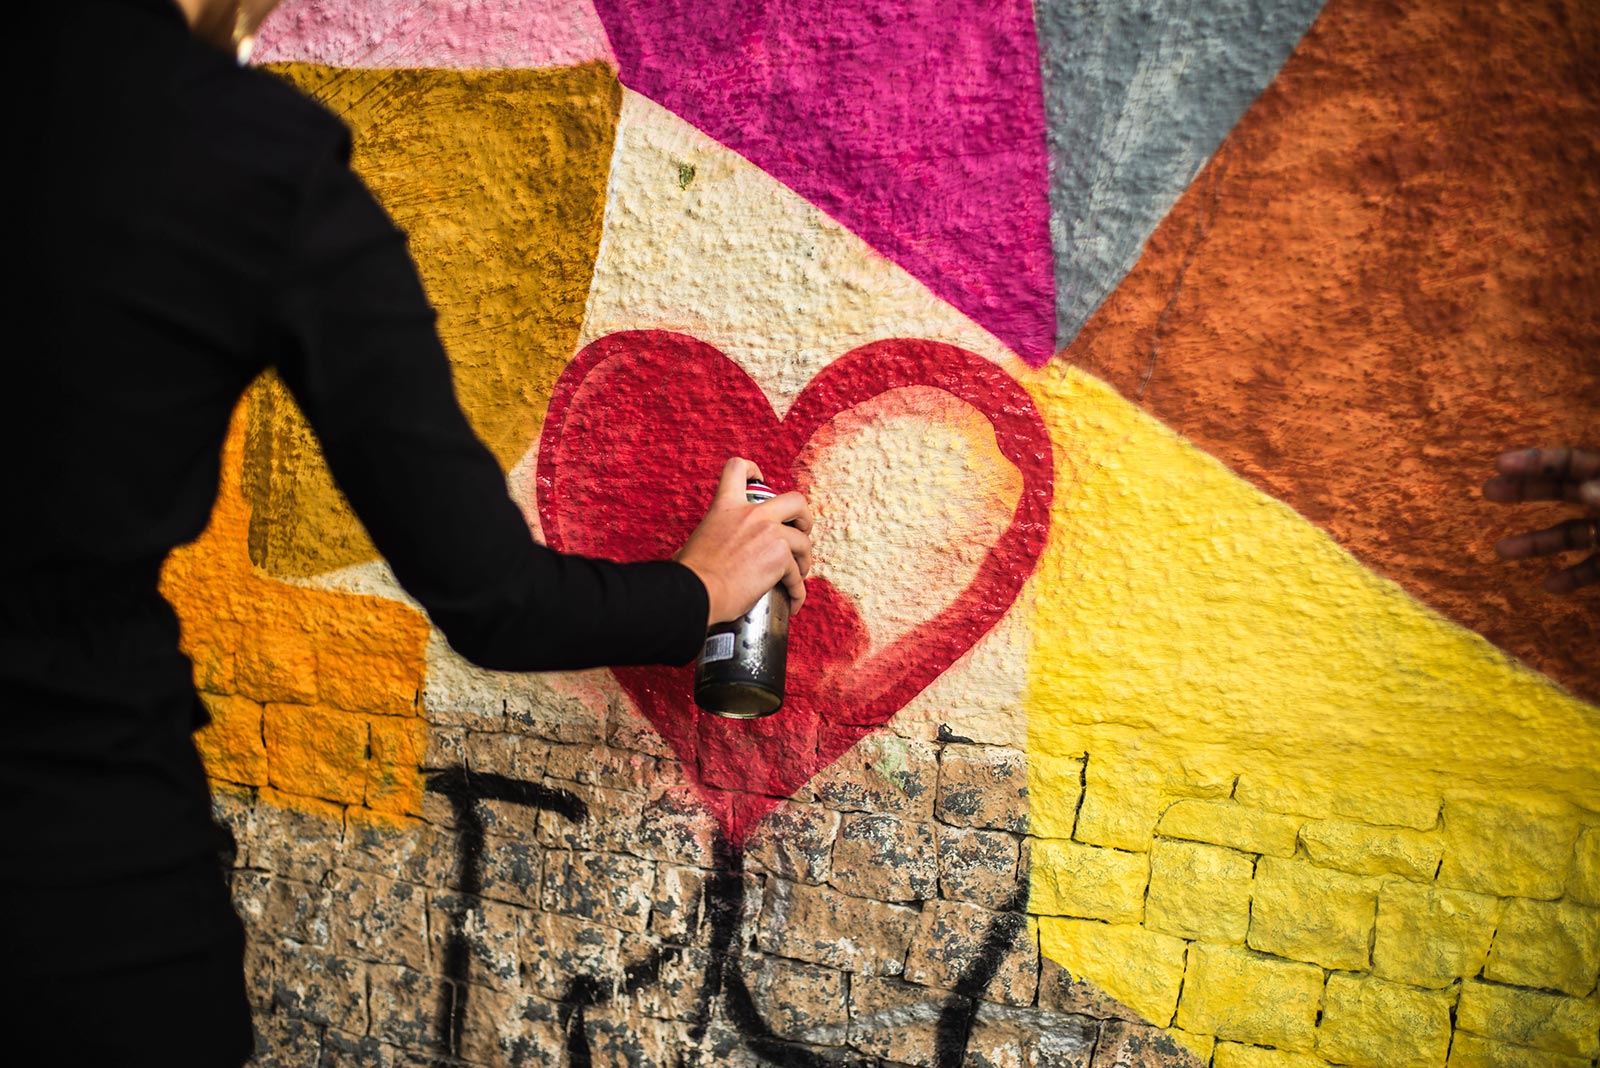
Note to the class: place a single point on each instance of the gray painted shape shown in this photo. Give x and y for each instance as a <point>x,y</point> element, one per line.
<point>1138,95</point>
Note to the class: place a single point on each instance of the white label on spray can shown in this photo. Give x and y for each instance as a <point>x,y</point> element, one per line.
<point>718,647</point>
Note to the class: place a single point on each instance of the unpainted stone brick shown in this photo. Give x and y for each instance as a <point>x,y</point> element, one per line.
<point>978,866</point>
<point>1508,848</point>
<point>626,729</point>
<point>610,824</point>
<point>1236,994</point>
<point>403,849</point>
<point>1199,891</point>
<point>675,826</point>
<point>609,888</point>
<point>459,694</point>
<point>489,930</point>
<point>1073,879</point>
<point>885,858</point>
<point>799,1001</point>
<point>680,976</point>
<point>1550,944</point>
<point>795,841</point>
<point>896,1020</point>
<point>341,1050</point>
<point>295,838</point>
<point>1005,1037</point>
<point>260,970</point>
<point>603,766</point>
<point>297,911</point>
<point>1124,1044</point>
<point>1062,992</point>
<point>317,986</point>
<point>1230,824</point>
<point>1373,1023</point>
<point>510,871</point>
<point>882,773</point>
<point>569,709</point>
<point>234,808</point>
<point>511,1029</point>
<point>1431,936</point>
<point>956,942</point>
<point>284,1041</point>
<point>618,1039</point>
<point>509,820</point>
<point>1312,914</point>
<point>556,949</point>
<point>1535,1018</point>
<point>732,902</point>
<point>821,925</point>
<point>493,753</point>
<point>378,919</point>
<point>983,786</point>
<point>446,748</point>
<point>404,1002</point>
<point>1142,969</point>
<point>675,904</point>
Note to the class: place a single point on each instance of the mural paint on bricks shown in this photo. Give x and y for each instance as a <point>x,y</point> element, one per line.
<point>483,34</point>
<point>1379,284</point>
<point>919,126</point>
<point>1138,97</point>
<point>606,419</point>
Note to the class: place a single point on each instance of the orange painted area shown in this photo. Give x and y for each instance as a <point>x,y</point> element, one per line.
<point>1389,273</point>
<point>313,694</point>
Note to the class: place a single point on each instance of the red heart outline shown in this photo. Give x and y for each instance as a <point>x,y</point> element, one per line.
<point>607,487</point>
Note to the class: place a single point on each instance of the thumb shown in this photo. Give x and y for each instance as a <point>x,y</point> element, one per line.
<point>1589,493</point>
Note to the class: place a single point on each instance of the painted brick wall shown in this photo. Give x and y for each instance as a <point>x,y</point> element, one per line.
<point>1118,738</point>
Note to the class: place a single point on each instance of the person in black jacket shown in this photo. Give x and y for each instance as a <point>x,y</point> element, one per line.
<point>185,224</point>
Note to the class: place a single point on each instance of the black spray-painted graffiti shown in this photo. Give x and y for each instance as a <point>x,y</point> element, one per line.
<point>724,911</point>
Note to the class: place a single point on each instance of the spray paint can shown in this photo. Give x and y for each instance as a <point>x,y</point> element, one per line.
<point>741,670</point>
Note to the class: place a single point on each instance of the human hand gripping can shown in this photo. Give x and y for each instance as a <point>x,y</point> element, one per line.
<point>740,672</point>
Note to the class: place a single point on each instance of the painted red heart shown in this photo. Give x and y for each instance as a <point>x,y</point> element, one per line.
<point>638,429</point>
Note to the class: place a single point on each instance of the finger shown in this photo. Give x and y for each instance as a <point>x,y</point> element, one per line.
<point>1561,538</point>
<point>735,473</point>
<point>1514,489</point>
<point>794,584</point>
<point>1571,579</point>
<point>791,510</point>
<point>1562,463</point>
<point>799,548</point>
<point>1589,493</point>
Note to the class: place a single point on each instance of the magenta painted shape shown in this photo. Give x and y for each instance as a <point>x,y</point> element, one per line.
<point>481,34</point>
<point>917,124</point>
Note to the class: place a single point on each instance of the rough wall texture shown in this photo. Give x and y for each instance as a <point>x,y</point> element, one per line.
<point>1098,755</point>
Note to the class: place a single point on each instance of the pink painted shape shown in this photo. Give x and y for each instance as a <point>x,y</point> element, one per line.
<point>917,124</point>
<point>477,34</point>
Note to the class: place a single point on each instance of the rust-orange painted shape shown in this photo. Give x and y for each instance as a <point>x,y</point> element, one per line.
<point>1388,274</point>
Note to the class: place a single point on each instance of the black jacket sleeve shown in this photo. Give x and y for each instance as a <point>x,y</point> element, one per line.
<point>358,348</point>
